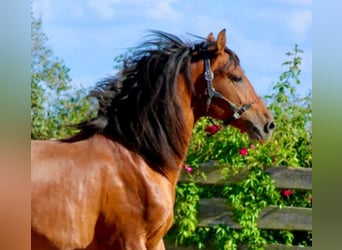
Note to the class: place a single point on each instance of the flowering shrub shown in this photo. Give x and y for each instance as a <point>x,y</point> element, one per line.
<point>289,146</point>
<point>212,129</point>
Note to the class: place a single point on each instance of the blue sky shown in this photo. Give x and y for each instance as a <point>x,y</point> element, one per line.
<point>87,34</point>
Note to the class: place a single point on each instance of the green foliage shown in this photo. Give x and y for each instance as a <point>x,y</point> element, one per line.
<point>248,198</point>
<point>293,115</point>
<point>291,145</point>
<point>52,97</point>
<point>54,103</point>
<point>186,210</point>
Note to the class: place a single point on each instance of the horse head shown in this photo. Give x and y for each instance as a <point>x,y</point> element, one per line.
<point>224,92</point>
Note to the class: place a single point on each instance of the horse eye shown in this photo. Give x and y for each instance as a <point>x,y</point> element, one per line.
<point>236,78</point>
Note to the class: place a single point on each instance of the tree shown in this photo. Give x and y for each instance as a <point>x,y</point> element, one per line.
<point>52,97</point>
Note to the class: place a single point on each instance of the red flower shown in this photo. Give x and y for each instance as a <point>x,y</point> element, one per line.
<point>274,159</point>
<point>212,129</point>
<point>287,192</point>
<point>187,168</point>
<point>243,151</point>
<point>310,198</point>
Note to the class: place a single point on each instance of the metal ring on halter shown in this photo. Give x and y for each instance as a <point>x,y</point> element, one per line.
<point>209,75</point>
<point>237,114</point>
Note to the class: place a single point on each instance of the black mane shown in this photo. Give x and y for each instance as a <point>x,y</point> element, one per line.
<point>140,107</point>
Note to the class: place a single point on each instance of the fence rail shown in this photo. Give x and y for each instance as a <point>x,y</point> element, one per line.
<point>214,211</point>
<point>284,177</point>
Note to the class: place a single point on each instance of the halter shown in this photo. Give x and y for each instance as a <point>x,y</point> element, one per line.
<point>211,92</point>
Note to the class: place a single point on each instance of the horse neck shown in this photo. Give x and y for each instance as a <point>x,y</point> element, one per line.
<point>185,96</point>
<point>191,110</point>
<point>198,100</point>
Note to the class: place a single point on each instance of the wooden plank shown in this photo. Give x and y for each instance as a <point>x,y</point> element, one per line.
<point>288,218</point>
<point>214,176</point>
<point>294,178</point>
<point>214,212</point>
<point>169,245</point>
<point>284,247</point>
<point>284,177</point>
<point>276,247</point>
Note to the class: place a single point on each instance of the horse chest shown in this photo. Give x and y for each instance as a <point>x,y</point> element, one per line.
<point>136,207</point>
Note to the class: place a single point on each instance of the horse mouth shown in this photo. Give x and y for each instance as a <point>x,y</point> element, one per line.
<point>255,134</point>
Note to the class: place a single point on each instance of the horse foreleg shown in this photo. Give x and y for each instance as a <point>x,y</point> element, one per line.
<point>125,246</point>
<point>40,242</point>
<point>160,246</point>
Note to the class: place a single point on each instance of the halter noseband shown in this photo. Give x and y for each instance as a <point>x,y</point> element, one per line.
<point>211,92</point>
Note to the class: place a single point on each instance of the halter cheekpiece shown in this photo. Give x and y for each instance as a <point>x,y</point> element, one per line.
<point>211,92</point>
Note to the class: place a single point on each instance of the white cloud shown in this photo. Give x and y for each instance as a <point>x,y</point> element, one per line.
<point>163,10</point>
<point>299,22</point>
<point>109,9</point>
<point>297,2</point>
<point>50,10</point>
<point>42,9</point>
<point>88,34</point>
<point>105,9</point>
<point>76,9</point>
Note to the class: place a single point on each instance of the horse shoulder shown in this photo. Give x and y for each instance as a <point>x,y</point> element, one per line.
<point>66,186</point>
<point>136,200</point>
<point>160,200</point>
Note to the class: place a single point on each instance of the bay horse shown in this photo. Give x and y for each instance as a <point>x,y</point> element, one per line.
<point>112,185</point>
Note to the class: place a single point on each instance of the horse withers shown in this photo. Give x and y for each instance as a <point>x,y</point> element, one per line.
<point>112,185</point>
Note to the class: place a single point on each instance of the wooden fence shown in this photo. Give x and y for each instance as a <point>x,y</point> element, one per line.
<point>214,211</point>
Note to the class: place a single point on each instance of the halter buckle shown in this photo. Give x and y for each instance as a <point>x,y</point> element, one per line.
<point>209,75</point>
<point>236,115</point>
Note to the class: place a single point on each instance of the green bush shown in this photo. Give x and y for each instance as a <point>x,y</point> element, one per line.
<point>291,145</point>
<point>52,96</point>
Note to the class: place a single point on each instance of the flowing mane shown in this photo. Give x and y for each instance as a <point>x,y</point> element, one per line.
<point>139,107</point>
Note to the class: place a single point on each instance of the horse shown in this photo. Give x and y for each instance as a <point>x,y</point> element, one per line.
<point>112,184</point>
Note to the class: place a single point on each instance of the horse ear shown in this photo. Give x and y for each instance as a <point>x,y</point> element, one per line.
<point>221,40</point>
<point>210,37</point>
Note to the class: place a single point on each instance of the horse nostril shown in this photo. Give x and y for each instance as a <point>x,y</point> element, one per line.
<point>269,127</point>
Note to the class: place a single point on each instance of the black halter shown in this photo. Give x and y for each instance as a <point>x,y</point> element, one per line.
<point>211,92</point>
